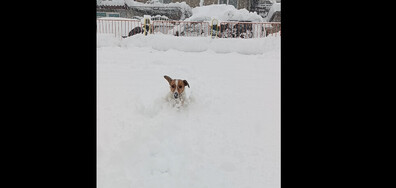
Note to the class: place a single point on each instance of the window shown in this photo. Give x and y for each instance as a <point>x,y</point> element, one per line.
<point>100,14</point>
<point>107,14</point>
<point>233,2</point>
<point>229,2</point>
<point>113,14</point>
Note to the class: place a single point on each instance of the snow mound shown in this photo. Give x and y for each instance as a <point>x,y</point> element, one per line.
<point>163,42</point>
<point>274,8</point>
<point>107,40</point>
<point>223,13</point>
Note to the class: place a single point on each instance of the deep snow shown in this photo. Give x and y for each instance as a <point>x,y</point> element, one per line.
<point>228,136</point>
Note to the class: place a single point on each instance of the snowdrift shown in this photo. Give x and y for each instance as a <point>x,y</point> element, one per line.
<point>163,42</point>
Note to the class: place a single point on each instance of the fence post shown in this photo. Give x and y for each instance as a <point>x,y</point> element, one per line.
<point>214,23</point>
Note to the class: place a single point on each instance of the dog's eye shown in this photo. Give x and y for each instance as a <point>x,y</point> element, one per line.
<point>180,87</point>
<point>173,86</point>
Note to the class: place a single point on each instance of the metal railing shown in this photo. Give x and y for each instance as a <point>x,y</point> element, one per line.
<point>129,27</point>
<point>118,27</point>
<point>182,28</point>
<point>248,29</point>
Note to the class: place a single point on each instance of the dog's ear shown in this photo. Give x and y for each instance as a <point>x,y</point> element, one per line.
<point>168,78</point>
<point>186,83</point>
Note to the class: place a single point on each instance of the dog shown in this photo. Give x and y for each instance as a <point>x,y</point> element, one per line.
<point>177,94</point>
<point>138,30</point>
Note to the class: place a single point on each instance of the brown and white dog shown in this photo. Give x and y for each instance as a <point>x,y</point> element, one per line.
<point>177,87</point>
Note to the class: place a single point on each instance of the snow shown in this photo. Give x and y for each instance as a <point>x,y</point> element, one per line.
<point>227,137</point>
<point>163,42</point>
<point>222,12</point>
<point>118,2</point>
<point>111,3</point>
<point>274,8</point>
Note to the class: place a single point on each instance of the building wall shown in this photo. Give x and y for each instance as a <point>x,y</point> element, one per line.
<point>123,13</point>
<point>191,3</point>
<point>244,4</point>
<point>210,2</point>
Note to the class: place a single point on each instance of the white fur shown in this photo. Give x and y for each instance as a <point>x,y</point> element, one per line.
<point>180,101</point>
<point>177,83</point>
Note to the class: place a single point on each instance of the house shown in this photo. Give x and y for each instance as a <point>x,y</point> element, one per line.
<point>131,9</point>
<point>174,9</point>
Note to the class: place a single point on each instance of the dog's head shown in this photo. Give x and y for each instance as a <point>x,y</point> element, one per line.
<point>176,86</point>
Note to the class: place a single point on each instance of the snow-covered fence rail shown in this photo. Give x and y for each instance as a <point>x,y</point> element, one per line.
<point>118,27</point>
<point>123,27</point>
<point>182,28</point>
<point>222,30</point>
<point>248,29</point>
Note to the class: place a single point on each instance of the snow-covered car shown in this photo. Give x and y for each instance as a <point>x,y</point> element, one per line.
<point>241,29</point>
<point>160,18</point>
<point>236,29</point>
<point>190,29</point>
<point>225,29</point>
<point>222,21</point>
<point>162,24</point>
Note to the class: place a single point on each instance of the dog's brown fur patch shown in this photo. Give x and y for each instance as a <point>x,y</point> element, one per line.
<point>181,84</point>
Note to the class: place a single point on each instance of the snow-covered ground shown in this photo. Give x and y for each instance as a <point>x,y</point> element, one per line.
<point>227,137</point>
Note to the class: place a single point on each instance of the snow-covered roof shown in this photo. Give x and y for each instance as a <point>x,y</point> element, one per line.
<point>153,3</point>
<point>183,6</point>
<point>113,2</point>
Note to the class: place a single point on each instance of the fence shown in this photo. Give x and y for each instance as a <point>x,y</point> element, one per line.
<point>128,27</point>
<point>182,28</point>
<point>118,27</point>
<point>248,29</point>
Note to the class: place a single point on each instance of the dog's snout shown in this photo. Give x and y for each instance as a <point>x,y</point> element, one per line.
<point>176,95</point>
